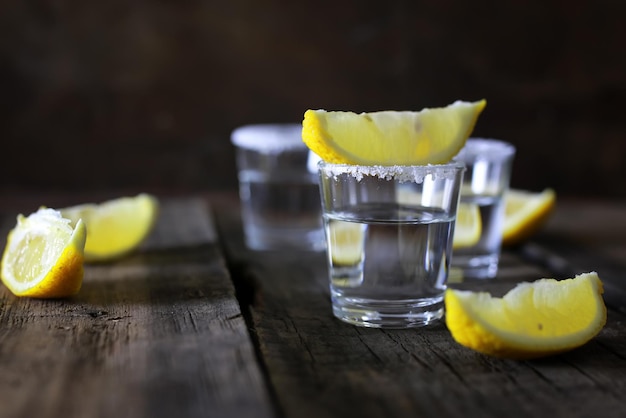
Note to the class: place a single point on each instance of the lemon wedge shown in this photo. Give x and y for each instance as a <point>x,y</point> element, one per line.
<point>115,227</point>
<point>468,226</point>
<point>43,257</point>
<point>346,243</point>
<point>430,136</point>
<point>532,320</point>
<point>525,213</point>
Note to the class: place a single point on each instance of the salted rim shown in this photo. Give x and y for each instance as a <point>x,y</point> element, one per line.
<point>267,137</point>
<point>401,173</point>
<point>485,148</point>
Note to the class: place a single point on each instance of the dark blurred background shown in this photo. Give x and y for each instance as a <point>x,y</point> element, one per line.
<point>142,95</point>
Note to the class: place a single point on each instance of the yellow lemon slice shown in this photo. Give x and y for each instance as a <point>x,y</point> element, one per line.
<point>43,257</point>
<point>525,213</point>
<point>346,243</point>
<point>430,136</point>
<point>468,226</point>
<point>532,320</point>
<point>115,227</point>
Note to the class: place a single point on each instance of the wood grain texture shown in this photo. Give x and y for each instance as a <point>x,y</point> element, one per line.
<point>156,334</point>
<point>319,366</point>
<point>193,324</point>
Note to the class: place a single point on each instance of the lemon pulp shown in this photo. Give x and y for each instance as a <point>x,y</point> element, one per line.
<point>525,213</point>
<point>115,227</point>
<point>43,257</point>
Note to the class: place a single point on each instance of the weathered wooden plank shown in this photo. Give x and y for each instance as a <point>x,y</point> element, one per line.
<point>319,366</point>
<point>156,334</point>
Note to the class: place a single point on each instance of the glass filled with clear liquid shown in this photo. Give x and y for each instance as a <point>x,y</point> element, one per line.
<point>279,194</point>
<point>487,178</point>
<point>389,240</point>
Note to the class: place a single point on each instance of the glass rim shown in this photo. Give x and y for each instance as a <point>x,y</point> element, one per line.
<point>487,147</point>
<point>401,173</point>
<point>449,164</point>
<point>268,136</point>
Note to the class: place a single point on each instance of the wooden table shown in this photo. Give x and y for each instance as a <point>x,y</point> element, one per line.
<point>195,325</point>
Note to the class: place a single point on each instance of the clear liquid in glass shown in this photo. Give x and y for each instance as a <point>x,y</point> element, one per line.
<point>480,260</point>
<point>388,264</point>
<point>281,211</point>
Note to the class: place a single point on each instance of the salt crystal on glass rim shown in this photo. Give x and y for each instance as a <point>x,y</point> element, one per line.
<point>269,137</point>
<point>403,174</point>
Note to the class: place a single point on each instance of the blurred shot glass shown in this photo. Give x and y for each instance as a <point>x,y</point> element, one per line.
<point>488,163</point>
<point>280,201</point>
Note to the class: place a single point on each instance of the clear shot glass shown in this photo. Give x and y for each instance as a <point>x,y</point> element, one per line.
<point>389,238</point>
<point>280,203</point>
<point>489,163</point>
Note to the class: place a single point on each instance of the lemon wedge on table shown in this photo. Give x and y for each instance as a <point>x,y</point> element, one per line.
<point>525,213</point>
<point>430,136</point>
<point>115,227</point>
<point>43,257</point>
<point>468,226</point>
<point>532,320</point>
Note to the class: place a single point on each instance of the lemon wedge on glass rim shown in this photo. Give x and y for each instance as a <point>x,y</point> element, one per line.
<point>115,227</point>
<point>43,257</point>
<point>532,320</point>
<point>429,136</point>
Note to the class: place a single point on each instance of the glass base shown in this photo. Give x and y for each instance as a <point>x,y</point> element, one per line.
<point>375,313</point>
<point>476,267</point>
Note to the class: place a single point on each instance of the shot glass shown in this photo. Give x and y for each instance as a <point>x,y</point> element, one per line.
<point>487,178</point>
<point>389,237</point>
<point>280,203</point>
